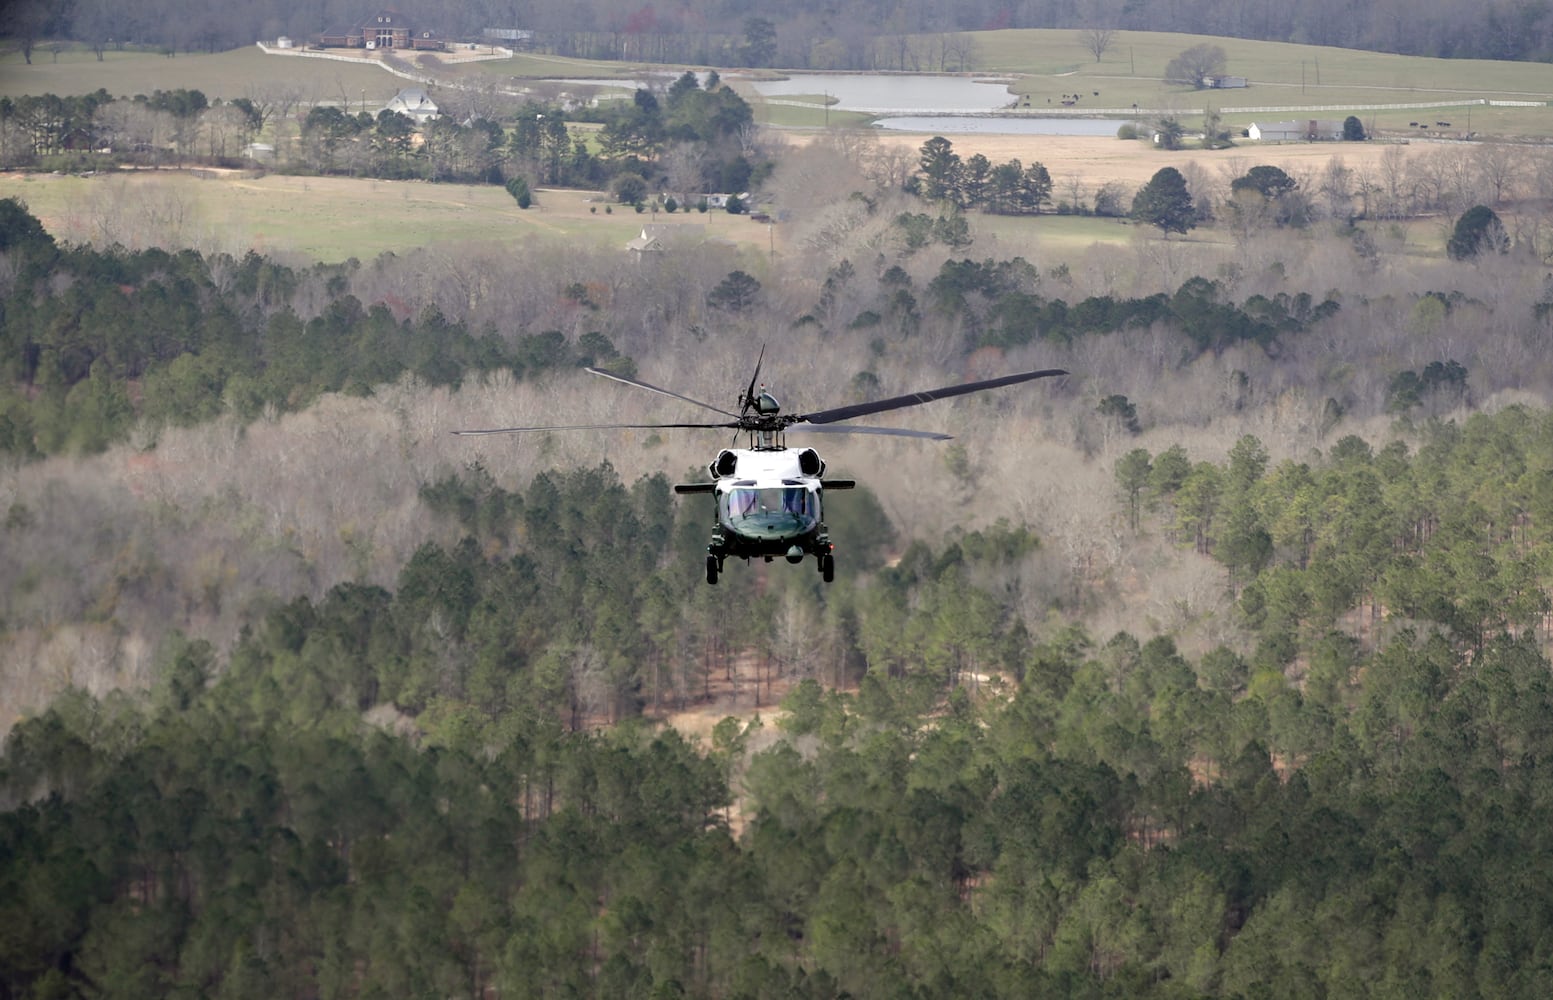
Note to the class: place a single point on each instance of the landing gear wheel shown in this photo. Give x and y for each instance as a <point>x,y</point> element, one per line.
<point>827,567</point>
<point>711,569</point>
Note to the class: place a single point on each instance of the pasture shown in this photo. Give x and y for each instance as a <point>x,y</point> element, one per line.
<point>224,75</point>
<point>1316,79</point>
<point>335,218</point>
<point>332,218</point>
<point>1046,63</point>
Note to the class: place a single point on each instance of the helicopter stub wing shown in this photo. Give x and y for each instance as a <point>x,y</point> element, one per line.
<point>917,398</point>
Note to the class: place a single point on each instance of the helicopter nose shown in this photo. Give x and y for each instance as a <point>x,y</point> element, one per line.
<point>795,555</point>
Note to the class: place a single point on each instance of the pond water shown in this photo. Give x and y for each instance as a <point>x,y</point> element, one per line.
<point>960,125</point>
<point>916,96</point>
<point>882,94</point>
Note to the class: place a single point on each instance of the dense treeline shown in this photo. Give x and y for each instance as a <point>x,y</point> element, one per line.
<point>396,786</point>
<point>96,340</point>
<point>1357,817</point>
<point>807,34</point>
<point>1459,536</point>
<point>86,331</point>
<point>693,140</point>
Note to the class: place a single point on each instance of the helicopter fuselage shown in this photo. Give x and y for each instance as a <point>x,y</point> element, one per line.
<point>770,503</point>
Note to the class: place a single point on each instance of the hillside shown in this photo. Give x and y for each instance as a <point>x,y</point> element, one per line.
<point>1218,667</point>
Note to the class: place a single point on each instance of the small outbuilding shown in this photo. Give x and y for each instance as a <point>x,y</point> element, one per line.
<point>1304,130</point>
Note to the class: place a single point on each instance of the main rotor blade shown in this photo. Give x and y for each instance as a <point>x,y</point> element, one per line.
<point>749,394</point>
<point>588,427</point>
<point>917,398</point>
<point>652,388</point>
<point>895,431</point>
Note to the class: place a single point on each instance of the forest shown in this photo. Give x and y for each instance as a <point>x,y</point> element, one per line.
<point>1353,811</point>
<point>1219,668</point>
<point>412,766</point>
<point>694,139</point>
<point>851,35</point>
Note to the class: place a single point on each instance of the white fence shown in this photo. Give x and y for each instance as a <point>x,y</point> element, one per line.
<point>275,50</point>
<point>1056,112</point>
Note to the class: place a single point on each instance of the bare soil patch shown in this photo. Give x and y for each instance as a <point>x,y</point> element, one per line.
<point>1102,159</point>
<point>745,688</point>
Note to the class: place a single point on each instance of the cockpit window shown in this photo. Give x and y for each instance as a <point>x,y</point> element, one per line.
<point>785,499</point>
<point>774,510</point>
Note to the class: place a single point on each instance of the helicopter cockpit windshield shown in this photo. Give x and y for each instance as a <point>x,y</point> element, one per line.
<point>770,511</point>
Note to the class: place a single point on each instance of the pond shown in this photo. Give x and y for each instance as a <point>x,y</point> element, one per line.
<point>916,98</point>
<point>875,93</point>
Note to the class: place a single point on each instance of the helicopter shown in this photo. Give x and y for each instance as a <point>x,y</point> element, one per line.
<point>769,496</point>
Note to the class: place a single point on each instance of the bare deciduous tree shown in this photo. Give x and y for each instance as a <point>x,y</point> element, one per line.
<point>960,52</point>
<point>1336,188</point>
<point>682,165</point>
<point>1096,41</point>
<point>224,131</point>
<point>1500,165</point>
<point>1195,65</point>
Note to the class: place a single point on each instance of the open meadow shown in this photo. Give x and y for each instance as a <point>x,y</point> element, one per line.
<point>1486,97</point>
<point>335,218</point>
<point>221,75</point>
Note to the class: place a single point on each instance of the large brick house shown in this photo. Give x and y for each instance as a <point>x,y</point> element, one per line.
<point>387,29</point>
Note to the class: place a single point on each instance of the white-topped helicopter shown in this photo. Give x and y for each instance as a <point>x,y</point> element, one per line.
<point>769,496</point>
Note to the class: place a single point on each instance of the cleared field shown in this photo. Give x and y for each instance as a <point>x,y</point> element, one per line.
<point>1100,160</point>
<point>1054,63</point>
<point>224,75</point>
<point>333,218</point>
<point>1047,64</point>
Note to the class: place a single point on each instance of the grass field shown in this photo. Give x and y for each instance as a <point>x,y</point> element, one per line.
<point>224,75</point>
<point>1280,75</point>
<point>333,218</point>
<point>1049,64</point>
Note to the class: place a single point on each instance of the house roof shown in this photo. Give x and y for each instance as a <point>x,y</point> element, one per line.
<point>655,236</point>
<point>412,101</point>
<point>382,19</point>
<point>415,97</point>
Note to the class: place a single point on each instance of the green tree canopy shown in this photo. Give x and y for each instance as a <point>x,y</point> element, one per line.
<point>735,293</point>
<point>1478,231</point>
<point>1268,181</point>
<point>1165,203</point>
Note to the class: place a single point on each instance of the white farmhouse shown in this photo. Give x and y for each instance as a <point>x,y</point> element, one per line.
<point>413,103</point>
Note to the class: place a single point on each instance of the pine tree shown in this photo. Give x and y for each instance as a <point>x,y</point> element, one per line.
<point>1165,202</point>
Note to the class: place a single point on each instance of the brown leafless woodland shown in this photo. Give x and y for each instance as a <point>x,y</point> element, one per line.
<point>218,522</point>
